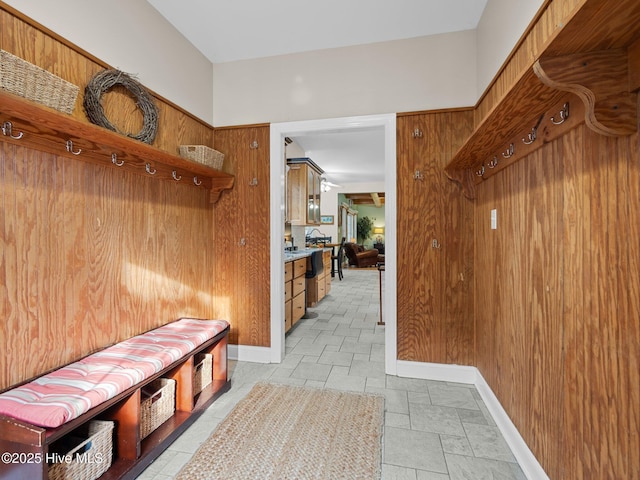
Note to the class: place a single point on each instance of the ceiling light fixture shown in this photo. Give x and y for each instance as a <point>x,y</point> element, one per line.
<point>325,185</point>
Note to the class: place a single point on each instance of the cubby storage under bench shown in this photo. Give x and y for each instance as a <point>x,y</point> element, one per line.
<point>91,418</point>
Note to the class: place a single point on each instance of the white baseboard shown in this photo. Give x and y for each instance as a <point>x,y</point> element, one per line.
<point>527,461</point>
<point>437,371</point>
<point>471,375</point>
<point>248,353</point>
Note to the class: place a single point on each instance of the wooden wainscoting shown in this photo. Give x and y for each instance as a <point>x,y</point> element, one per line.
<point>435,302</point>
<point>92,255</point>
<point>241,239</point>
<point>558,302</point>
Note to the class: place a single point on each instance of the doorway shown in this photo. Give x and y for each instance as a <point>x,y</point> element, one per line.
<point>277,199</point>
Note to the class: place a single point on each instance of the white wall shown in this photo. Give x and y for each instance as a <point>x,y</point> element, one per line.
<point>437,71</point>
<point>424,73</point>
<point>502,24</point>
<point>329,203</point>
<point>134,37</point>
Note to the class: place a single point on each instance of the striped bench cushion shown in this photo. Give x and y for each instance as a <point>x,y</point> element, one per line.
<point>64,394</point>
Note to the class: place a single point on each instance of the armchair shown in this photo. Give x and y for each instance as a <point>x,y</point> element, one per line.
<point>360,257</point>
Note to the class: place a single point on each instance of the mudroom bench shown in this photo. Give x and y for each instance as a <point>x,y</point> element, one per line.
<point>110,414</point>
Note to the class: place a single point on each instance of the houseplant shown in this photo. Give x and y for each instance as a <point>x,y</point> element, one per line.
<point>365,225</point>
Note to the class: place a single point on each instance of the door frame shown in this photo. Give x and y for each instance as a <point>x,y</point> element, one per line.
<point>277,199</point>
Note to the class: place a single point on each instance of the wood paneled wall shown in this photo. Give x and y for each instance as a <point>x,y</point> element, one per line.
<point>242,245</point>
<point>435,303</point>
<point>93,255</point>
<point>557,289</point>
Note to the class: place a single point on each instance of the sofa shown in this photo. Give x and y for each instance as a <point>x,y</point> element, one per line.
<point>359,257</point>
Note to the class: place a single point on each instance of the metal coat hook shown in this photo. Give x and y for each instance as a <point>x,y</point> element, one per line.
<point>175,176</point>
<point>147,167</point>
<point>480,171</point>
<point>242,242</point>
<point>70,148</point>
<point>417,133</point>
<point>509,152</point>
<point>435,243</point>
<point>196,181</point>
<point>493,163</point>
<point>531,136</point>
<point>564,114</point>
<point>7,129</point>
<point>253,145</point>
<point>114,160</point>
<point>418,175</point>
<point>253,182</point>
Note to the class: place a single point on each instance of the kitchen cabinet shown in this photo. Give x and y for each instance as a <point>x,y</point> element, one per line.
<point>288,297</point>
<point>294,292</point>
<point>304,180</point>
<point>319,286</point>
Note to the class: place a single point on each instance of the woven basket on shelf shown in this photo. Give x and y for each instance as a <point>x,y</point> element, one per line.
<point>158,406</point>
<point>88,460</point>
<point>202,154</point>
<point>202,372</point>
<point>22,78</point>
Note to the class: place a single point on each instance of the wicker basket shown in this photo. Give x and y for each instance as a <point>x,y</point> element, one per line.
<point>202,154</point>
<point>22,78</point>
<point>89,459</point>
<point>202,372</point>
<point>158,406</point>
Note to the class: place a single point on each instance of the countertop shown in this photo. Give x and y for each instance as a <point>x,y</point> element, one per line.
<point>302,253</point>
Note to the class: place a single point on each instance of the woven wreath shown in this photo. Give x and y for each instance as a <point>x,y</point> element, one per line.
<point>104,81</point>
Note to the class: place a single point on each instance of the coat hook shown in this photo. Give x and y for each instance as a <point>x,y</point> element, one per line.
<point>70,148</point>
<point>418,175</point>
<point>417,133</point>
<point>242,242</point>
<point>253,182</point>
<point>175,176</point>
<point>196,181</point>
<point>509,152</point>
<point>564,114</point>
<point>480,171</point>
<point>435,243</point>
<point>493,163</point>
<point>531,136</point>
<point>7,128</point>
<point>114,160</point>
<point>254,145</point>
<point>147,167</point>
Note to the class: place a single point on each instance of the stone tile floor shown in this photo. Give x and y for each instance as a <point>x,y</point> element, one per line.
<point>433,430</point>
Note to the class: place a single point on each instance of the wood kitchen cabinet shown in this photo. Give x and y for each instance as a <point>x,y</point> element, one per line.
<point>319,286</point>
<point>304,180</point>
<point>294,292</point>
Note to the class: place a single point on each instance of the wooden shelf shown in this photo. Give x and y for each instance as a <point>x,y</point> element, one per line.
<point>588,56</point>
<point>48,130</point>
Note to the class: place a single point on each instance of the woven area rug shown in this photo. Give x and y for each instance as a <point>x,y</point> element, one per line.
<point>290,432</point>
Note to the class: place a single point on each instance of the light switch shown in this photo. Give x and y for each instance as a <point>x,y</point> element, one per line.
<point>494,219</point>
